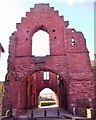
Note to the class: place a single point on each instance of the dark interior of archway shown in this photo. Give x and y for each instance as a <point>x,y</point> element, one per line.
<point>40,80</point>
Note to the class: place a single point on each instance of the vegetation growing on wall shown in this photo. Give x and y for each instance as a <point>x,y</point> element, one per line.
<point>1,91</point>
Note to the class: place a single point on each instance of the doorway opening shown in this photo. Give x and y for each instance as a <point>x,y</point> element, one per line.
<point>47,98</point>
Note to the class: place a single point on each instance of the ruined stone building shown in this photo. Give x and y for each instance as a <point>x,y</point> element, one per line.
<point>68,64</point>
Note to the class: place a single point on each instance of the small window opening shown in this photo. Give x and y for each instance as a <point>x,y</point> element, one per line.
<point>57,79</point>
<point>26,39</point>
<point>46,75</point>
<point>53,30</point>
<point>57,76</point>
<point>27,31</point>
<point>72,30</point>
<point>73,42</point>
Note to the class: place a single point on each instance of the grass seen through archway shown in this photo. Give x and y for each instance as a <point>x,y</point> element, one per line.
<point>47,98</point>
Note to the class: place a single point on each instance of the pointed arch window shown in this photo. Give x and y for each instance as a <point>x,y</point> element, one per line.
<point>40,43</point>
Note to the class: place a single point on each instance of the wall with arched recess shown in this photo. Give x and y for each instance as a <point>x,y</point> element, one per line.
<point>32,84</point>
<point>69,57</point>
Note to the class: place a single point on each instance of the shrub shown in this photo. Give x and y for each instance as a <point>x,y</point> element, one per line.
<point>47,103</point>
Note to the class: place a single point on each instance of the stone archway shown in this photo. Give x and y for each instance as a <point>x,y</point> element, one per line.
<point>33,83</point>
<point>70,61</point>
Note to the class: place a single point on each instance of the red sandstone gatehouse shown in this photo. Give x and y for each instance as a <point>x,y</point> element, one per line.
<point>68,64</point>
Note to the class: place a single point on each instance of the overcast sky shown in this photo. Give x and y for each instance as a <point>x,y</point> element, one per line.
<point>80,15</point>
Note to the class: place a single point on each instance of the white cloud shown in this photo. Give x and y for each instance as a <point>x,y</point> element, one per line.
<point>86,0</point>
<point>71,2</point>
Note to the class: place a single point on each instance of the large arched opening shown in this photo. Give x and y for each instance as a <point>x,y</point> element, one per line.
<point>38,81</point>
<point>40,43</point>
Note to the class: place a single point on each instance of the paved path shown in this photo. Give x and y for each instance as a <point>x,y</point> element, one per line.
<point>50,112</point>
<point>54,113</point>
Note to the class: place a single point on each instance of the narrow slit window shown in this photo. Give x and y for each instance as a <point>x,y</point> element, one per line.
<point>46,75</point>
<point>73,42</point>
